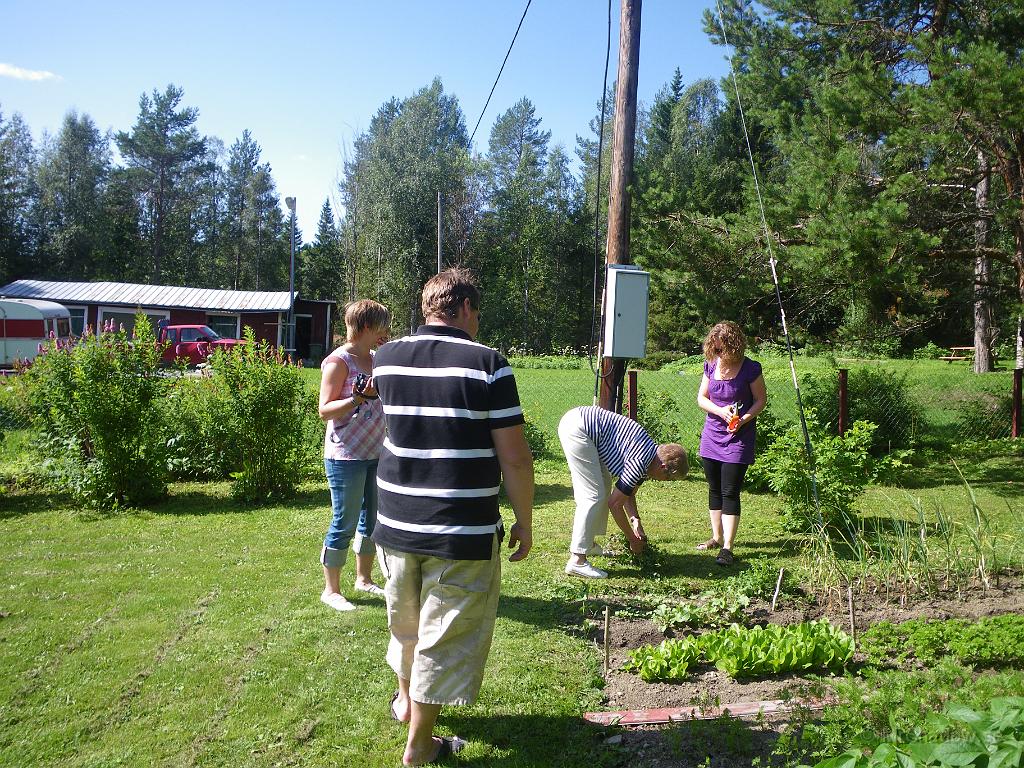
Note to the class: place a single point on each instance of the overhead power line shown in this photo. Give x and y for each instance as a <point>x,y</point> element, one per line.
<point>484,110</point>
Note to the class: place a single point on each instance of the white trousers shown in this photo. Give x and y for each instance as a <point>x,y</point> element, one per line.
<point>591,483</point>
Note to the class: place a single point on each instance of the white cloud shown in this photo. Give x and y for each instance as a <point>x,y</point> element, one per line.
<point>33,75</point>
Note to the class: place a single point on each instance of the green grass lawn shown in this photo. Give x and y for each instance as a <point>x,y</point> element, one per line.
<point>192,634</point>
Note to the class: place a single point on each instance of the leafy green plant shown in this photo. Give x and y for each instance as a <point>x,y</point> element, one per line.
<point>930,351</point>
<point>748,653</point>
<point>264,404</point>
<point>774,649</point>
<point>985,416</point>
<point>960,736</point>
<point>658,413</point>
<point>769,429</point>
<point>990,642</point>
<point>95,403</point>
<point>538,440</point>
<point>670,660</point>
<point>710,610</point>
<point>841,465</point>
<point>724,603</point>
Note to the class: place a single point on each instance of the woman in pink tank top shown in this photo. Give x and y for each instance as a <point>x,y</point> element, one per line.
<point>352,443</point>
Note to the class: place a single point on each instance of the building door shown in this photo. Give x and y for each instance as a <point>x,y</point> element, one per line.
<point>303,334</point>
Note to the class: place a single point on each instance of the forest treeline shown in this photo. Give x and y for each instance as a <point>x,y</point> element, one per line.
<point>888,138</point>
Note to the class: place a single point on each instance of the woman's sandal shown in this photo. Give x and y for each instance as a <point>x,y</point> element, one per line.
<point>709,544</point>
<point>724,557</point>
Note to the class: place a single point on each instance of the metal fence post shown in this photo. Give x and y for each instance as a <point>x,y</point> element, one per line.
<point>844,411</point>
<point>632,394</point>
<point>1015,427</point>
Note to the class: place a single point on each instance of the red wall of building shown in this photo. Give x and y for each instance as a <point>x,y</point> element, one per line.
<point>263,324</point>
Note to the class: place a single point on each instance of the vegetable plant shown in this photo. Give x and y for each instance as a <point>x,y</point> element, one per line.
<point>747,653</point>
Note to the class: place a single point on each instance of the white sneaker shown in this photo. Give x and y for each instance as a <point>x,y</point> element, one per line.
<point>336,601</point>
<point>595,551</point>
<point>586,570</point>
<point>371,589</point>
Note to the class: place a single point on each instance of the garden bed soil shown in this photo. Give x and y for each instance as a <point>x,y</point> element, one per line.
<point>659,746</point>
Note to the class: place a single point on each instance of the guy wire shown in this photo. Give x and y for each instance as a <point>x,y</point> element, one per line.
<point>775,277</point>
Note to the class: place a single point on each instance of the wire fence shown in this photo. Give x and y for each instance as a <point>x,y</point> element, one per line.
<point>913,403</point>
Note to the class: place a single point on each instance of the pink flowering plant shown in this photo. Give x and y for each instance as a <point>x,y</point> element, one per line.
<point>94,402</point>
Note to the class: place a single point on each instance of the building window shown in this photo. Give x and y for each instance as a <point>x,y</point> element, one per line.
<point>127,319</point>
<point>77,320</point>
<point>226,326</point>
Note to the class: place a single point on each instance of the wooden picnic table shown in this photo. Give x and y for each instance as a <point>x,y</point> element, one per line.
<point>959,353</point>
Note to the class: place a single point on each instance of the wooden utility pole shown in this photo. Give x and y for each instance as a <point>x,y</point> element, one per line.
<point>622,171</point>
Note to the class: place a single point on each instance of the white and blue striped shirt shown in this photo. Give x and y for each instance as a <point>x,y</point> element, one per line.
<point>625,448</point>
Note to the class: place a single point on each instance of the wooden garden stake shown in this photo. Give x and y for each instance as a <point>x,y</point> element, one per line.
<point>607,641</point>
<point>778,587</point>
<point>849,598</point>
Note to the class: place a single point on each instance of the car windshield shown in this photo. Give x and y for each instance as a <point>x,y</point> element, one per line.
<point>209,333</point>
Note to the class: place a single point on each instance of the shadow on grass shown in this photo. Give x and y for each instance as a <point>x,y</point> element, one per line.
<point>28,501</point>
<point>548,492</point>
<point>215,499</point>
<point>548,740</point>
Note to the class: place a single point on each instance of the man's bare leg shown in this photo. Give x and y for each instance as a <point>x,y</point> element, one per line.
<point>421,747</point>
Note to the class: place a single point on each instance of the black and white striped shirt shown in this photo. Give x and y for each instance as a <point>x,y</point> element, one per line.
<point>438,475</point>
<point>624,446</point>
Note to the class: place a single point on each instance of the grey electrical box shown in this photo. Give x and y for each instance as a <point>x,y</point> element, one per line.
<point>625,311</point>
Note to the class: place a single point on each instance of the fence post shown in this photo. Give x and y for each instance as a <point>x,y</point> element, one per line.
<point>632,395</point>
<point>1015,427</point>
<point>844,411</point>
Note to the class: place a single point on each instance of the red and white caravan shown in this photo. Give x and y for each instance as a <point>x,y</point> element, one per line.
<point>27,323</point>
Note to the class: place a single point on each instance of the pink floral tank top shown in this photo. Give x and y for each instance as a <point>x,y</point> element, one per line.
<point>361,435</point>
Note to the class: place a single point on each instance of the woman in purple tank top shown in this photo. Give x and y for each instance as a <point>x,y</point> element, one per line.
<point>732,393</point>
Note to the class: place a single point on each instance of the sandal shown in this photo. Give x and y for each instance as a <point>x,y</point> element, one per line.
<point>709,544</point>
<point>724,557</point>
<point>450,745</point>
<point>394,715</point>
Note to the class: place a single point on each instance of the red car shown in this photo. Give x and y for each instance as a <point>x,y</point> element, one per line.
<point>191,344</point>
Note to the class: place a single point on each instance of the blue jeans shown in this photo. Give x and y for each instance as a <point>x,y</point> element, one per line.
<point>353,487</point>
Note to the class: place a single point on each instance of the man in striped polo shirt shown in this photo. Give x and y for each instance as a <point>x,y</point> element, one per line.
<point>455,431</point>
<point>597,444</point>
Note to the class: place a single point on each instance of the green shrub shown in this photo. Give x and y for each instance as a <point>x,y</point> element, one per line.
<point>200,439</point>
<point>655,361</point>
<point>874,394</point>
<point>842,466</point>
<point>930,351</point>
<point>264,405</point>
<point>658,414</point>
<point>769,429</point>
<point>537,438</point>
<point>96,404</point>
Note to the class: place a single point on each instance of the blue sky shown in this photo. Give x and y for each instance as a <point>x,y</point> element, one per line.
<point>306,77</point>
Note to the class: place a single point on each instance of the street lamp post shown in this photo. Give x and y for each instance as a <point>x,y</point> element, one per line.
<point>290,202</point>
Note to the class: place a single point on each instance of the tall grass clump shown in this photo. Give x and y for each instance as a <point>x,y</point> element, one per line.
<point>95,404</point>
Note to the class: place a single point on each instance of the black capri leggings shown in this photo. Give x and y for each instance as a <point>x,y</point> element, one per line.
<point>724,483</point>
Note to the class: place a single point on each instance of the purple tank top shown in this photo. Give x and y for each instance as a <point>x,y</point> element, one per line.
<point>715,441</point>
